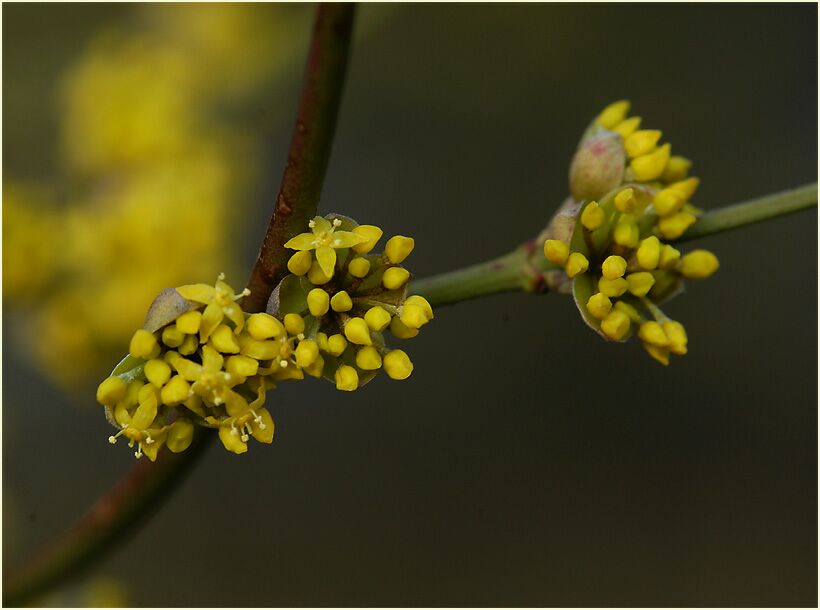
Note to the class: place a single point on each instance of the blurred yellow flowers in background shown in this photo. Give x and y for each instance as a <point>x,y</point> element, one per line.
<point>153,170</point>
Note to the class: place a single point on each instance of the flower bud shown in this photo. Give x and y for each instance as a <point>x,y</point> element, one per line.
<point>300,263</point>
<point>599,305</point>
<point>651,332</point>
<point>157,372</point>
<point>341,301</point>
<point>111,391</point>
<point>368,358</point>
<point>398,248</point>
<point>359,267</point>
<point>306,353</point>
<point>597,167</point>
<point>377,318</point>
<point>263,326</point>
<point>698,265</point>
<point>616,325</point>
<point>371,234</point>
<point>347,379</point>
<point>556,251</point>
<point>641,142</point>
<point>180,435</point>
<point>649,252</point>
<point>144,345</point>
<point>577,263</point>
<point>188,323</point>
<point>357,331</point>
<point>318,302</point>
<point>640,283</point>
<point>294,323</point>
<point>397,364</point>
<point>650,166</point>
<point>395,277</point>
<point>613,267</point>
<point>592,217</point>
<point>175,392</point>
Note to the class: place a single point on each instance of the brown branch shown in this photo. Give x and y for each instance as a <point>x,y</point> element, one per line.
<point>309,148</point>
<point>141,491</point>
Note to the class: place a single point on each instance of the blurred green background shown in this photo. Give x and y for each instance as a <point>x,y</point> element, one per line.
<point>525,462</point>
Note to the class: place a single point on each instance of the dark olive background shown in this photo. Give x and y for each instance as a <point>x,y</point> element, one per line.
<point>525,462</point>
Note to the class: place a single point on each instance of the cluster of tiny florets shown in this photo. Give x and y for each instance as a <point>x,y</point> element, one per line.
<point>615,250</point>
<point>202,360</point>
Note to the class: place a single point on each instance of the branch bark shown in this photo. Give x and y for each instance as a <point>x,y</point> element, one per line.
<point>310,145</point>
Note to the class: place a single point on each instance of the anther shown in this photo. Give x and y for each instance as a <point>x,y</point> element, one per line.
<point>337,222</point>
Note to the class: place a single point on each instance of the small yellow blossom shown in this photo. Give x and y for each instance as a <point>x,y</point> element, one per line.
<point>325,239</point>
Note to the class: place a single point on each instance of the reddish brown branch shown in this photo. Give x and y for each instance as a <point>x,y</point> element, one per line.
<point>310,145</point>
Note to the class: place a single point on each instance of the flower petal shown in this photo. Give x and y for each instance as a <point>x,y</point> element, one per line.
<point>346,239</point>
<point>146,413</point>
<point>201,293</point>
<point>211,318</point>
<point>326,257</point>
<point>263,435</point>
<point>211,359</point>
<point>321,225</point>
<point>234,403</point>
<point>232,442</point>
<point>303,241</point>
<point>235,315</point>
<point>189,371</point>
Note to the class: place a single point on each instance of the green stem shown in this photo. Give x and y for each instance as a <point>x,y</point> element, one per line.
<point>506,273</point>
<point>756,210</point>
<point>144,487</point>
<point>519,269</point>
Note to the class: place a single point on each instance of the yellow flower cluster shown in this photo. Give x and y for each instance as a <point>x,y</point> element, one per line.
<point>349,296</point>
<point>614,249</point>
<point>152,159</point>
<point>201,359</point>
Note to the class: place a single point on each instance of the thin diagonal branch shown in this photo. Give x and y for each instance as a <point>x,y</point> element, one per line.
<point>310,146</point>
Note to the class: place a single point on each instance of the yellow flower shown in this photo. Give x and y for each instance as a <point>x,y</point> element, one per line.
<point>220,302</point>
<point>325,240</point>
<point>245,420</point>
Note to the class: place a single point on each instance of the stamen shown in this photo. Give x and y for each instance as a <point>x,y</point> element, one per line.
<point>149,440</point>
<point>283,364</point>
<point>337,222</point>
<point>113,439</point>
<point>312,224</point>
<point>301,336</point>
<point>221,276</point>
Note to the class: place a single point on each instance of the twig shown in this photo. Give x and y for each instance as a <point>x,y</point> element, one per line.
<point>514,271</point>
<point>309,149</point>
